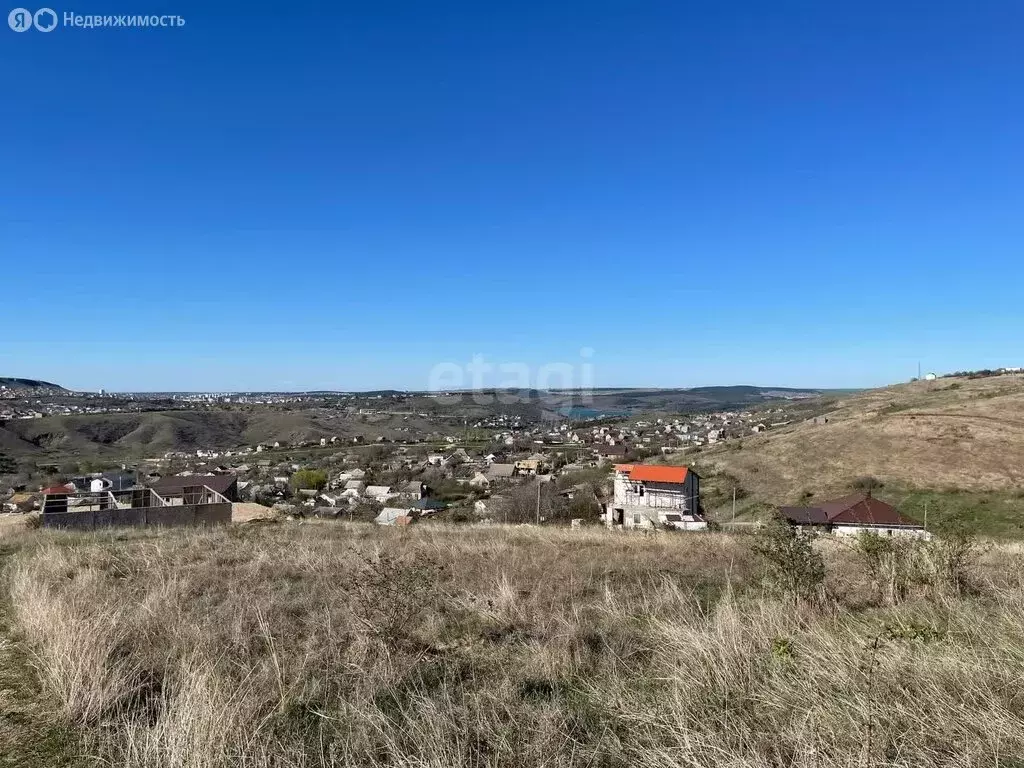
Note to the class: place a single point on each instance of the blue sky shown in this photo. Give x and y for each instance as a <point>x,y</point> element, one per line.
<point>344,195</point>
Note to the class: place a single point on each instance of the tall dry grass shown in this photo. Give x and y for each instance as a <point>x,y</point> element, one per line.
<point>328,644</point>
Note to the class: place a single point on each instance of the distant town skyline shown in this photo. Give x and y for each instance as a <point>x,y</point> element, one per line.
<point>808,195</point>
<point>597,386</point>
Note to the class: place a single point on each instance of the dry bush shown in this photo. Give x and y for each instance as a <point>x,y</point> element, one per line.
<point>332,644</point>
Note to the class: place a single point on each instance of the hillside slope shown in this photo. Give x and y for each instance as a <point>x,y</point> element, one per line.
<point>16,383</point>
<point>945,434</point>
<point>126,434</point>
<point>135,435</point>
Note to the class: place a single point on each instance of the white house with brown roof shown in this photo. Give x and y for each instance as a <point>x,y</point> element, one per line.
<point>855,514</point>
<point>655,496</point>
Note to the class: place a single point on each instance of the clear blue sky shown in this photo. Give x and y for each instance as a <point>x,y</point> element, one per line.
<point>342,195</point>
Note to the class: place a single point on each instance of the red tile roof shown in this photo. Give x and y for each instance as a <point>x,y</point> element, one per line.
<point>59,490</point>
<point>655,473</point>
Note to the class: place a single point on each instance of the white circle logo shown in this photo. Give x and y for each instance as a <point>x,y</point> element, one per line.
<point>20,19</point>
<point>45,20</point>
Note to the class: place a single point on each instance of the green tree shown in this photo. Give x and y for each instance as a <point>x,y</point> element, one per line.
<point>309,478</point>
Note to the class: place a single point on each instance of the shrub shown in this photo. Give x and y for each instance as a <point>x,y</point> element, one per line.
<point>894,565</point>
<point>793,564</point>
<point>866,483</point>
<point>391,594</point>
<point>957,552</point>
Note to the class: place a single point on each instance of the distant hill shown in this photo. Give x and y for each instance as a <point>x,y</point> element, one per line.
<point>694,399</point>
<point>14,383</point>
<point>157,432</point>
<point>953,434</point>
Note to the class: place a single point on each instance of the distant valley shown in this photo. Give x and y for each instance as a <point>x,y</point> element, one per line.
<point>69,424</point>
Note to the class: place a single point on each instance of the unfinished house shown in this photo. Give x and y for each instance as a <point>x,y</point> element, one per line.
<point>195,505</point>
<point>652,496</point>
<point>174,485</point>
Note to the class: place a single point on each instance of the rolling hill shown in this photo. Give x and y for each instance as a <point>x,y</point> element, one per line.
<point>14,383</point>
<point>950,436</point>
<point>136,434</point>
<point>118,436</point>
<point>636,400</point>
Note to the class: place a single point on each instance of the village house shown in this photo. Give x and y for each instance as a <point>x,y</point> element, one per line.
<point>394,516</point>
<point>378,492</point>
<point>501,471</point>
<point>655,496</point>
<point>416,489</point>
<point>340,480</point>
<point>526,467</point>
<point>610,451</point>
<point>458,456</point>
<point>853,514</point>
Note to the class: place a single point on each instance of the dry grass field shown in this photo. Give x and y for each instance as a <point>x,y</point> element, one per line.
<point>963,434</point>
<point>323,644</point>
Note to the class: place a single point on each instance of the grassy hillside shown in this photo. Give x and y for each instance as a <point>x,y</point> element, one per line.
<point>15,383</point>
<point>695,399</point>
<point>126,435</point>
<point>295,646</point>
<point>952,436</point>
<point>131,434</point>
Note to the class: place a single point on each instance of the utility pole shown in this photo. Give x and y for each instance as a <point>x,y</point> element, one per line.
<point>926,515</point>
<point>734,505</point>
<point>538,499</point>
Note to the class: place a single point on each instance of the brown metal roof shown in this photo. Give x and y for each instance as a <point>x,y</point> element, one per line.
<point>864,509</point>
<point>804,515</point>
<point>856,509</point>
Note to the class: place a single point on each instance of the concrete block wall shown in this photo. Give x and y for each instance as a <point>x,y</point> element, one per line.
<point>182,515</point>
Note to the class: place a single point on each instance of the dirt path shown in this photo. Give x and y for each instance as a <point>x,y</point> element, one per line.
<point>30,733</point>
